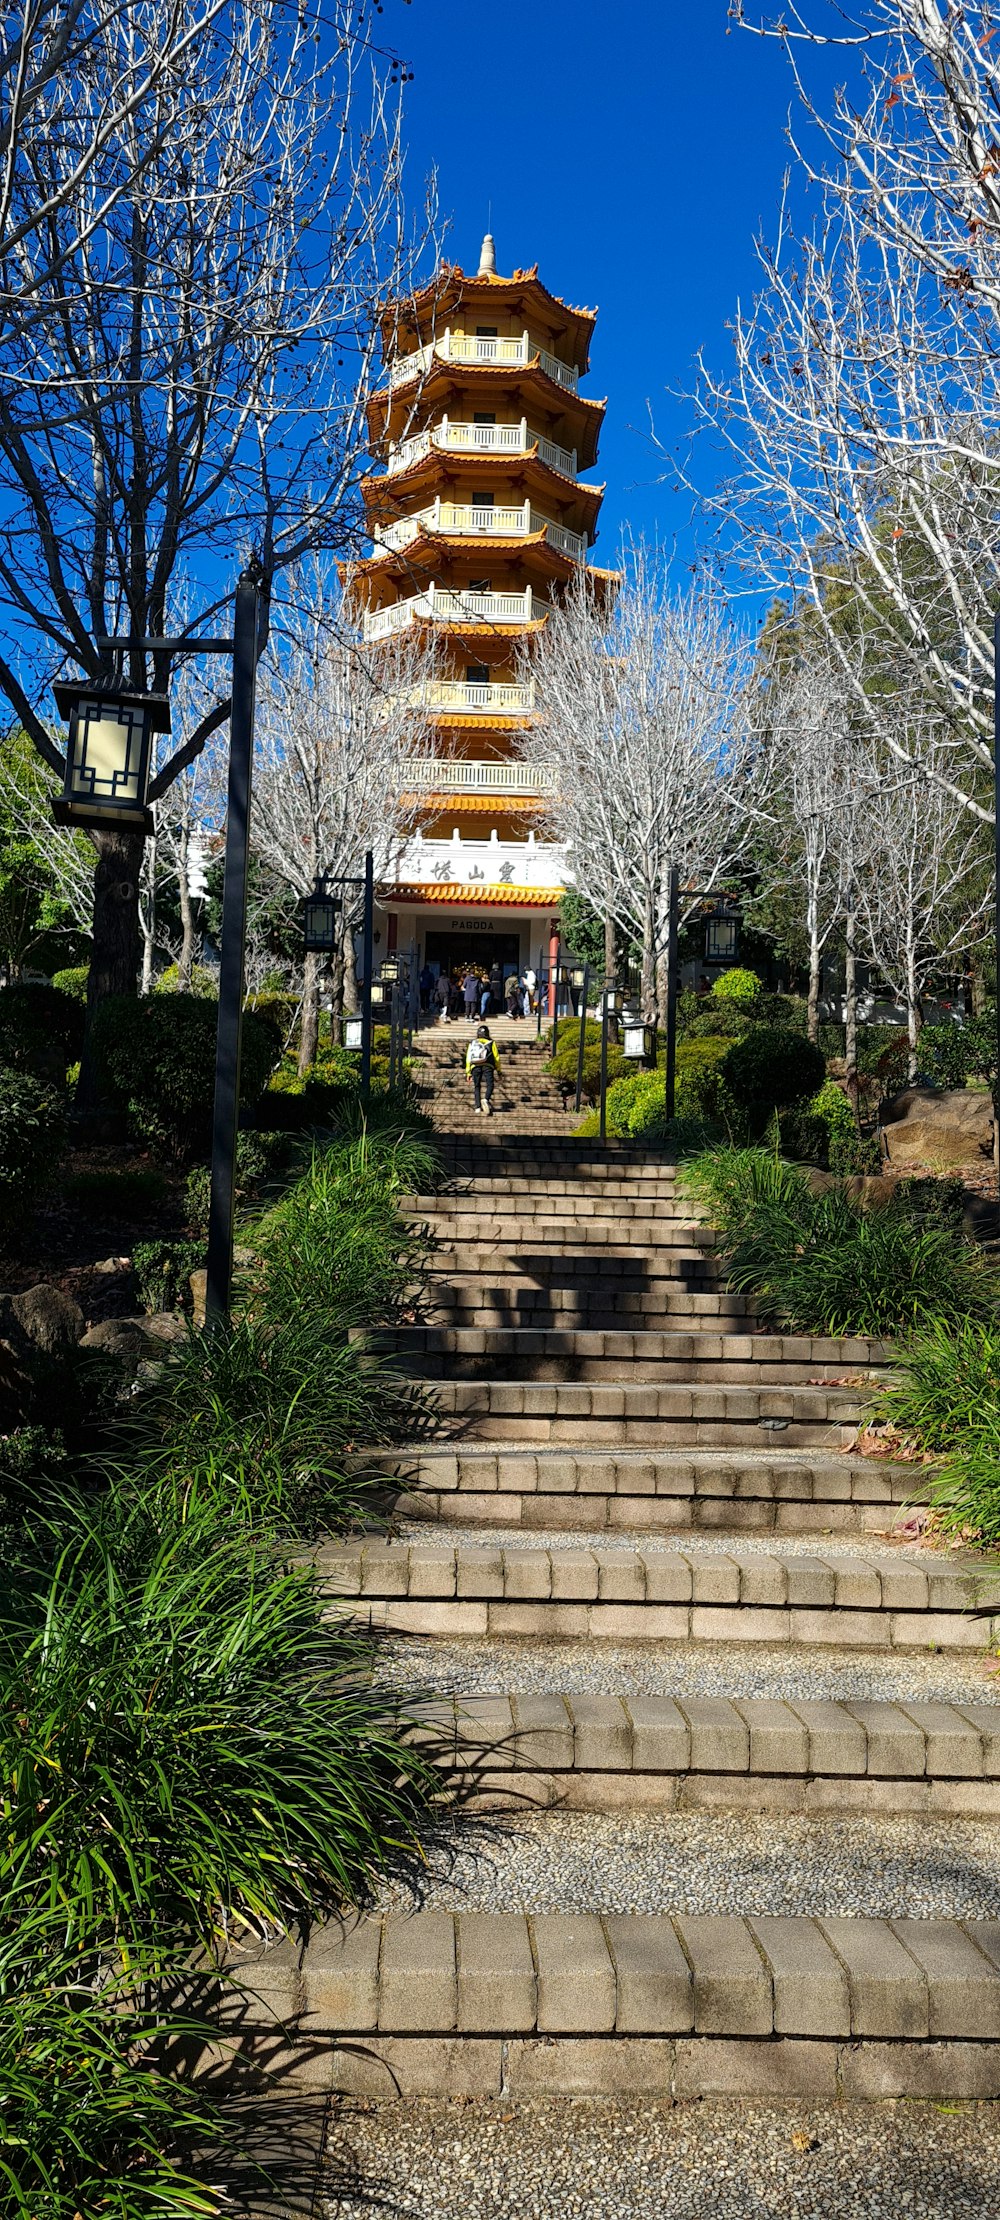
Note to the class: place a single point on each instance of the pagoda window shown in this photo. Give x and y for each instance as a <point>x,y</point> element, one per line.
<point>480,585</point>
<point>487,331</point>
<point>482,417</point>
<point>477,674</point>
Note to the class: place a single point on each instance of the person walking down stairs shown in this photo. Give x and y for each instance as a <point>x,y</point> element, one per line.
<point>482,1062</point>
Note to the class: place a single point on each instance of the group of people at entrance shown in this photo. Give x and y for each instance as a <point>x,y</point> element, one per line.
<point>476,993</point>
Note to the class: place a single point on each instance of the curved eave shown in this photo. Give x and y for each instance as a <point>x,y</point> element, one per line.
<point>426,550</point>
<point>457,890</point>
<point>445,381</point>
<point>428,471</point>
<point>446,802</point>
<point>451,287</point>
<point>484,726</point>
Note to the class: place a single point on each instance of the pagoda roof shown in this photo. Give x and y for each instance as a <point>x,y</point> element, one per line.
<point>445,801</point>
<point>451,285</point>
<point>444,379</point>
<point>485,896</point>
<point>443,462</point>
<point>422,552</point>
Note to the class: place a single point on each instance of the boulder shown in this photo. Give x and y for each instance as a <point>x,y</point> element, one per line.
<point>115,1337</point>
<point>942,1127</point>
<point>198,1283</point>
<point>52,1321</point>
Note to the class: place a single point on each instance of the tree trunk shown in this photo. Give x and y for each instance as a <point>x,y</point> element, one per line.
<point>648,987</point>
<point>189,931</point>
<point>610,949</point>
<point>914,1021</point>
<point>114,962</point>
<point>348,974</point>
<point>815,976</point>
<point>851,1016</point>
<point>309,1026</point>
<point>147,917</point>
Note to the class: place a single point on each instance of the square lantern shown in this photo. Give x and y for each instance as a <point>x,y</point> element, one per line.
<point>378,994</point>
<point>390,969</point>
<point>612,1000</point>
<point>577,977</point>
<point>638,1041</point>
<point>721,938</point>
<point>353,1033</point>
<point>108,752</point>
<point>320,920</point>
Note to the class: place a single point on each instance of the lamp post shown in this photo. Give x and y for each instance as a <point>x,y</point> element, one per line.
<point>106,786</point>
<point>581,979</point>
<point>610,1003</point>
<point>357,1030</point>
<point>673,934</point>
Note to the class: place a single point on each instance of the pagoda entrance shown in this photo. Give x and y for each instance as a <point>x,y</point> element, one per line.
<point>452,951</point>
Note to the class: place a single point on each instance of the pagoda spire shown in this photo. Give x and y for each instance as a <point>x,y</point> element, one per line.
<point>487,257</point>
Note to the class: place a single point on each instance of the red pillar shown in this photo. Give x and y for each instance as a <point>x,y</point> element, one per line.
<point>553,964</point>
<point>393,927</point>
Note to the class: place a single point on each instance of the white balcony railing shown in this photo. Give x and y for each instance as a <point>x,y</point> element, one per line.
<point>472,863</point>
<point>461,775</point>
<point>494,700</point>
<point>481,439</point>
<point>440,606</point>
<point>456,346</point>
<point>461,517</point>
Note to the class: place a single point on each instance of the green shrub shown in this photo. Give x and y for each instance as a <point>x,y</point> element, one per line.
<point>769,1068</point>
<point>157,1058</point>
<point>185,1739</point>
<point>203,982</point>
<point>113,1193</point>
<point>32,1137</point>
<point>279,1008</point>
<point>258,1157</point>
<point>823,1264</point>
<point>562,1066</point>
<point>88,2116</point>
<point>946,1397</point>
<point>736,985</point>
<point>163,1270</point>
<point>951,1055</point>
<point>41,1030</point>
<point>74,981</point>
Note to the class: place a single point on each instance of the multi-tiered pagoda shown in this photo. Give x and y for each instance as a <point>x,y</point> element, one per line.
<point>479,521</point>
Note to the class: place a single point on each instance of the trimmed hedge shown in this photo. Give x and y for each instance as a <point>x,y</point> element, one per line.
<point>157,1060</point>
<point>41,1029</point>
<point>770,1068</point>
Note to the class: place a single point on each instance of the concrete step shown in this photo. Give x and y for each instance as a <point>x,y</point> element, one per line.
<point>669,1416</point>
<point>523,1353</point>
<point>683,2005</point>
<point>558,1234</point>
<point>604,1267</point>
<point>748,1492</point>
<point>582,1752</point>
<point>651,1207</point>
<point>474,1304</point>
<point>586,1186</point>
<point>562,1587</point>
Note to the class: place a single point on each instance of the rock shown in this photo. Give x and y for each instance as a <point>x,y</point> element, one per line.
<point>871,1189</point>
<point>198,1283</point>
<point>938,1126</point>
<point>51,1320</point>
<point>116,1337</point>
<point>165,1325</point>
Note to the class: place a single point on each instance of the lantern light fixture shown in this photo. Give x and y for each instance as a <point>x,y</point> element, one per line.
<point>577,976</point>
<point>638,1041</point>
<point>354,1032</point>
<point>721,935</point>
<point>379,994</point>
<point>390,969</point>
<point>612,1000</point>
<point>320,915</point>
<point>108,753</point>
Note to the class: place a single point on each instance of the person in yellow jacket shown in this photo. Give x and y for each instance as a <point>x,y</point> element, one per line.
<point>482,1063</point>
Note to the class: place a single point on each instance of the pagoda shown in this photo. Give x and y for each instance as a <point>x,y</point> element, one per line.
<point>479,520</point>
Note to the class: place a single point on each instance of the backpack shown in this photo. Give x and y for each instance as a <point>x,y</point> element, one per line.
<point>479,1052</point>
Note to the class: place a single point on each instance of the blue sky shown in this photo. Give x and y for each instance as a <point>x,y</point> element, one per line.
<point>633,152</point>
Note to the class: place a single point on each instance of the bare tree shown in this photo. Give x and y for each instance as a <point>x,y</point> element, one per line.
<point>863,415</point>
<point>197,377</point>
<point>643,717</point>
<point>68,73</point>
<point>338,726</point>
<point>927,895</point>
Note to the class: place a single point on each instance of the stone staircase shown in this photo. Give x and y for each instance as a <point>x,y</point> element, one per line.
<point>728,1744</point>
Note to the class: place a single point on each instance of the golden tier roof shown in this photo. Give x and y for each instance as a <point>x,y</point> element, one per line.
<point>482,897</point>
<point>579,416</point>
<point>532,552</point>
<point>405,322</point>
<point>507,467</point>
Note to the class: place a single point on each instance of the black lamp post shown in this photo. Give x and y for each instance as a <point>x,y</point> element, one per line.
<point>582,980</point>
<point>108,754</point>
<point>610,1005</point>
